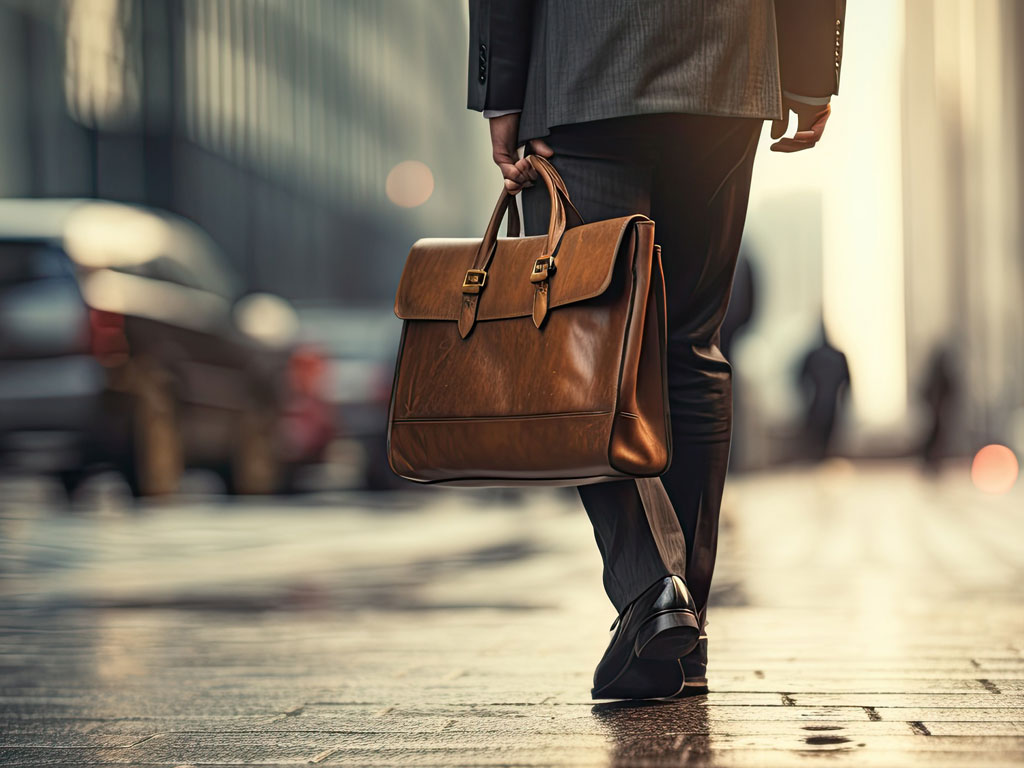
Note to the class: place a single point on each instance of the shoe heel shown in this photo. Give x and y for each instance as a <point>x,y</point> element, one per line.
<point>669,635</point>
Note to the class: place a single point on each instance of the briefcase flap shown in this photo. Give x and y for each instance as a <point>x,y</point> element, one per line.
<point>431,284</point>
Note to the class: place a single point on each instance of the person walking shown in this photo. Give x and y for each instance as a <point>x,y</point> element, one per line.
<point>655,107</point>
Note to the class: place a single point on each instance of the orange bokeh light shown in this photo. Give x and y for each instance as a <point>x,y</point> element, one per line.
<point>994,469</point>
<point>409,184</point>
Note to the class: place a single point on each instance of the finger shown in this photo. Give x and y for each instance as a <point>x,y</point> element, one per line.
<point>541,148</point>
<point>511,172</point>
<point>526,169</point>
<point>813,134</point>
<point>811,119</point>
<point>511,187</point>
<point>779,127</point>
<point>818,127</point>
<point>791,145</point>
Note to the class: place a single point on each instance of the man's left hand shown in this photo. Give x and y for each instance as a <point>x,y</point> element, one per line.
<point>810,126</point>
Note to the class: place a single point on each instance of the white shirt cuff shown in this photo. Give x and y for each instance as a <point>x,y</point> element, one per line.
<point>489,113</point>
<point>818,101</point>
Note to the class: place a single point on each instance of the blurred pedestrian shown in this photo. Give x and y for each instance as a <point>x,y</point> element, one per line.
<point>656,107</point>
<point>741,303</point>
<point>739,315</point>
<point>939,394</point>
<point>825,379</point>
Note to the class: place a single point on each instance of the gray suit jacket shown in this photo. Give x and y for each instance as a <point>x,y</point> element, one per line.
<point>570,61</point>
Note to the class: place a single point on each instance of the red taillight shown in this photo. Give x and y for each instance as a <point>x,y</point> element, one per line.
<point>382,384</point>
<point>306,372</point>
<point>107,341</point>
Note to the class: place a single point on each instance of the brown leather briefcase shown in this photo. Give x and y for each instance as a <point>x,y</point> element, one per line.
<point>534,360</point>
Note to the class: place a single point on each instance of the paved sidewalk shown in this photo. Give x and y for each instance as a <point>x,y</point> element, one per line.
<point>862,616</point>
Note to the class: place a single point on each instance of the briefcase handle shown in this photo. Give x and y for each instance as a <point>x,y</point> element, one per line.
<point>572,215</point>
<point>563,215</point>
<point>513,226</point>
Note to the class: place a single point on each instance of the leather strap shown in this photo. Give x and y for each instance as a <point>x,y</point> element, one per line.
<point>572,215</point>
<point>482,260</point>
<point>562,213</point>
<point>512,227</point>
<point>561,210</point>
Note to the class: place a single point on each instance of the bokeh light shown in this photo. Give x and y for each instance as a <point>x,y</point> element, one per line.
<point>268,318</point>
<point>994,469</point>
<point>409,184</point>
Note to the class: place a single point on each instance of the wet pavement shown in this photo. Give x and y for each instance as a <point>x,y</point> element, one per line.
<point>862,615</point>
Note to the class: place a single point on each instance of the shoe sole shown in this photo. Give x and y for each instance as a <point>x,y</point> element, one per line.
<point>662,638</point>
<point>669,635</point>
<point>689,690</point>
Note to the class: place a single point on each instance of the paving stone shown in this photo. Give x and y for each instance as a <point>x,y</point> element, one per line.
<point>803,684</point>
<point>951,714</point>
<point>975,728</point>
<point>964,701</point>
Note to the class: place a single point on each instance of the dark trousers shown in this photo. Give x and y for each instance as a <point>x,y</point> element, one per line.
<point>691,174</point>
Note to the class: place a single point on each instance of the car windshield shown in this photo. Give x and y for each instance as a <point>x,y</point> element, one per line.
<point>352,333</point>
<point>22,260</point>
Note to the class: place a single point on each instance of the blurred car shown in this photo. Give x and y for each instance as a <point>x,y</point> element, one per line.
<point>125,342</point>
<point>360,344</point>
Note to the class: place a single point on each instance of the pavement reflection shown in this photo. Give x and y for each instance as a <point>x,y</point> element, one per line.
<point>863,613</point>
<point>655,732</point>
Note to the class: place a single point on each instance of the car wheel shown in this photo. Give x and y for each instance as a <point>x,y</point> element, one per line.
<point>255,466</point>
<point>378,475</point>
<point>71,480</point>
<point>155,462</point>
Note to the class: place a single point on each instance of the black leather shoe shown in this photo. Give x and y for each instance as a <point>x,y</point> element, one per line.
<point>695,670</point>
<point>651,635</point>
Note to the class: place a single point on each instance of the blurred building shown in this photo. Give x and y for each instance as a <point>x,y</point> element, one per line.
<point>963,162</point>
<point>274,124</point>
<point>825,233</point>
<point>903,230</point>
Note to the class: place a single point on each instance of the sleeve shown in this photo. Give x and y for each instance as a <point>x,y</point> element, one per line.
<point>499,53</point>
<point>810,35</point>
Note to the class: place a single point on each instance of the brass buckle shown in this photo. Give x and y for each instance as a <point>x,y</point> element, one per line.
<point>474,281</point>
<point>542,268</point>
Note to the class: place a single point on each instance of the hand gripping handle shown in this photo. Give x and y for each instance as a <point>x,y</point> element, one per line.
<point>563,215</point>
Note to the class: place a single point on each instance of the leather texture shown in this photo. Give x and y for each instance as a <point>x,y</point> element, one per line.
<point>661,672</point>
<point>534,360</point>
